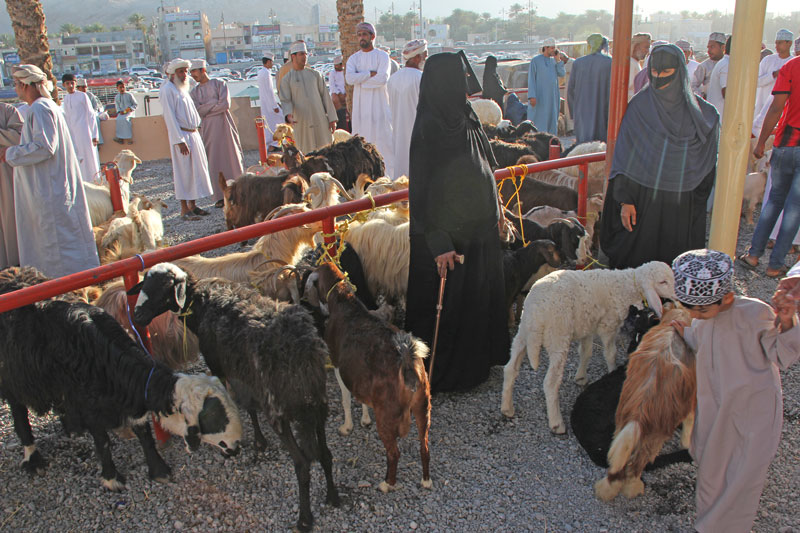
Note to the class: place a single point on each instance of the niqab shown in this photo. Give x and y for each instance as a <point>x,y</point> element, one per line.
<point>668,137</point>
<point>493,87</point>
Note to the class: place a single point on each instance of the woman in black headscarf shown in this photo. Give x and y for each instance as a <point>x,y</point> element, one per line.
<point>663,169</point>
<point>493,87</point>
<point>454,210</point>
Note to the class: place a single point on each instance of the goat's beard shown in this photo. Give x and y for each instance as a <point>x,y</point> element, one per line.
<point>182,86</point>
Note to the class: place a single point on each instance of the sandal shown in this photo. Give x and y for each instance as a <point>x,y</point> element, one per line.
<point>776,272</point>
<point>200,212</point>
<point>189,216</point>
<point>220,204</point>
<point>745,261</point>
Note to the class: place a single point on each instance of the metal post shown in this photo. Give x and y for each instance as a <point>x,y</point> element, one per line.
<point>620,72</point>
<point>583,188</point>
<point>555,149</point>
<point>112,177</point>
<point>262,140</point>
<point>748,27</point>
<point>328,227</point>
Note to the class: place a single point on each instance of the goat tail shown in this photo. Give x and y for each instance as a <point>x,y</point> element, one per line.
<point>622,446</point>
<point>412,351</point>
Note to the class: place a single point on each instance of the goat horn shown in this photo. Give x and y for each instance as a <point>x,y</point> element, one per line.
<point>342,190</point>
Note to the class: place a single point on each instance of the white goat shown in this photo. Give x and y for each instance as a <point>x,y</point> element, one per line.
<point>577,305</point>
<point>488,111</point>
<point>755,184</point>
<point>98,197</point>
<point>384,249</point>
<point>322,190</point>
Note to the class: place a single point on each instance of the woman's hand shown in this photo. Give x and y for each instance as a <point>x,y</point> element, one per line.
<point>446,261</point>
<point>628,215</point>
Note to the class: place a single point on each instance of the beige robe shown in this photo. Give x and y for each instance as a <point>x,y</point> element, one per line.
<point>304,96</point>
<point>10,129</point>
<point>739,410</point>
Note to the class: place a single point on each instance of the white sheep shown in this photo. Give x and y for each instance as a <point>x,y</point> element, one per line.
<point>98,197</point>
<point>488,111</point>
<point>341,136</point>
<point>577,305</point>
<point>596,170</point>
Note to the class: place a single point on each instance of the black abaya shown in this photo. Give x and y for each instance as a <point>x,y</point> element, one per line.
<point>667,223</point>
<point>453,203</point>
<point>493,87</point>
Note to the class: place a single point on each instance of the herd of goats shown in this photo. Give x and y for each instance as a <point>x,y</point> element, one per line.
<point>267,320</point>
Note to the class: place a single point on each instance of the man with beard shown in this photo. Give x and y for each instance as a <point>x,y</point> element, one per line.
<point>54,231</point>
<point>543,97</point>
<point>338,92</point>
<point>82,125</point>
<point>368,71</point>
<point>403,98</point>
<point>716,50</point>
<point>218,130</point>
<point>270,108</point>
<point>306,102</point>
<point>189,163</point>
<point>640,46</point>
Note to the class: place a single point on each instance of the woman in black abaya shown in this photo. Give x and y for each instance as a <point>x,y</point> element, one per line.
<point>453,203</point>
<point>493,87</point>
<point>663,169</point>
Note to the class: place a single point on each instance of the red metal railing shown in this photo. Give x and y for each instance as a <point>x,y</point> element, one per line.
<point>128,268</point>
<point>262,140</point>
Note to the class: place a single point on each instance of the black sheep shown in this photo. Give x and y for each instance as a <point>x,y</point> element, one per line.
<point>593,414</point>
<point>566,234</point>
<point>345,161</point>
<point>269,352</point>
<point>508,153</point>
<point>509,133</point>
<point>540,143</point>
<point>76,360</point>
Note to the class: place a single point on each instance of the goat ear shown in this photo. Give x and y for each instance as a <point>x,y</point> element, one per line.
<point>180,296</point>
<point>136,289</point>
<point>311,289</point>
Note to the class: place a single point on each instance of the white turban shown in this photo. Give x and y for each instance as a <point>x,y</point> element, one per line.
<point>718,37</point>
<point>784,35</point>
<point>414,48</point>
<point>198,63</point>
<point>549,42</point>
<point>177,63</point>
<point>269,55</point>
<point>31,74</point>
<point>338,60</point>
<point>298,46</point>
<point>684,45</point>
<point>80,82</point>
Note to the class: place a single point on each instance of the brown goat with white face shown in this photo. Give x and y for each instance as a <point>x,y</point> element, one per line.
<point>660,392</point>
<point>381,365</point>
<point>251,197</point>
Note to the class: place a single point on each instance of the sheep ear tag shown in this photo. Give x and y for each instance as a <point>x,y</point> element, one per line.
<point>180,296</point>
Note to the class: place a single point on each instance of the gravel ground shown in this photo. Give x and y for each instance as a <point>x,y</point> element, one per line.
<point>489,473</point>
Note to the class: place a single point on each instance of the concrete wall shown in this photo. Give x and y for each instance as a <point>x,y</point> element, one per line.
<point>150,139</point>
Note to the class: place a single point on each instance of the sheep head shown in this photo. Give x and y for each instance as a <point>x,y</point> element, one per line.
<point>322,190</point>
<point>162,289</point>
<point>204,412</point>
<point>655,280</point>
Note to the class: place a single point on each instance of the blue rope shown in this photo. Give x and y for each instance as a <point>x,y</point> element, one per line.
<point>130,321</point>
<point>140,259</point>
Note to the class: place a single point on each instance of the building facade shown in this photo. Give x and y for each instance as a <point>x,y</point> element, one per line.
<point>185,34</point>
<point>107,52</point>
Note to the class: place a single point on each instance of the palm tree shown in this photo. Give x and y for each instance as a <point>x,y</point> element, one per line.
<point>30,31</point>
<point>96,27</point>
<point>351,13</point>
<point>137,20</point>
<point>69,29</point>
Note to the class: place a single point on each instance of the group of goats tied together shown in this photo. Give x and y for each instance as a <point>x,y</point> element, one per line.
<point>267,319</point>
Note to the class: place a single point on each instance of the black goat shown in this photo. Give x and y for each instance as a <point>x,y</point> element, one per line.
<point>567,235</point>
<point>508,153</point>
<point>76,360</point>
<point>540,143</point>
<point>509,133</point>
<point>519,265</point>
<point>345,161</point>
<point>593,415</point>
<point>269,352</point>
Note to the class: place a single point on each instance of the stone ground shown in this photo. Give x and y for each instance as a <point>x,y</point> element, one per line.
<point>489,473</point>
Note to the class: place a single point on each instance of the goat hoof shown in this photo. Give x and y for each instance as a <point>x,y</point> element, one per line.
<point>605,491</point>
<point>304,525</point>
<point>260,445</point>
<point>345,429</point>
<point>633,488</point>
<point>34,464</point>
<point>115,484</point>
<point>558,429</point>
<point>386,488</point>
<point>427,484</point>
<point>333,499</point>
<point>366,422</point>
<point>508,411</point>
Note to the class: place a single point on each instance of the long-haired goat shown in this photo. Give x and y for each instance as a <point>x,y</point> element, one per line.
<point>381,365</point>
<point>345,160</point>
<point>659,393</point>
<point>508,153</point>
<point>577,305</point>
<point>268,352</point>
<point>384,250</point>
<point>250,197</point>
<point>75,359</point>
<point>98,197</point>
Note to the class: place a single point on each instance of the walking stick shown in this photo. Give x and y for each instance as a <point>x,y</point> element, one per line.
<point>459,259</point>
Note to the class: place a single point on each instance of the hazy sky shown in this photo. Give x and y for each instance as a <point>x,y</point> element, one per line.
<point>436,8</point>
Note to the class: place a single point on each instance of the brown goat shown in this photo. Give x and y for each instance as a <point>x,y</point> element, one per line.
<point>660,392</point>
<point>251,197</point>
<point>381,365</point>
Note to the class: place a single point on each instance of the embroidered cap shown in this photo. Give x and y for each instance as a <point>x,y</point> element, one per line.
<point>702,277</point>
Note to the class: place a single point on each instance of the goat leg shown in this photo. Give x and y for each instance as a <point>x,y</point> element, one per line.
<point>421,408</point>
<point>302,469</point>
<point>33,462</point>
<point>365,419</point>
<point>347,427</point>
<point>388,432</point>
<point>326,460</point>
<point>260,441</point>
<point>112,480</point>
<point>157,469</point>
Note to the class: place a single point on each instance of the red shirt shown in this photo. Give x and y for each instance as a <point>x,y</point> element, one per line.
<point>788,82</point>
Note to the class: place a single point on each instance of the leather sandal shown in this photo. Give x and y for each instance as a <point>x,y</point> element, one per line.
<point>776,272</point>
<point>745,261</point>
